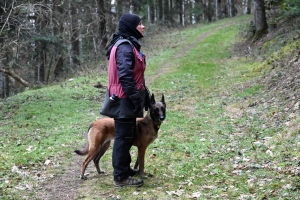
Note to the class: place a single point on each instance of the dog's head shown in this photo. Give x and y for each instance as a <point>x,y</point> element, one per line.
<point>158,109</point>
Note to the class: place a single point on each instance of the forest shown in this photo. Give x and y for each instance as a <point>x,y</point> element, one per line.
<point>42,42</point>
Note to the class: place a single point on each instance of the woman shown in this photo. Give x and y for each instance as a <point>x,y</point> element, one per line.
<point>126,86</point>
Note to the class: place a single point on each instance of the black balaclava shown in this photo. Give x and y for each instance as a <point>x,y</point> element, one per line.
<point>127,25</point>
<point>127,30</point>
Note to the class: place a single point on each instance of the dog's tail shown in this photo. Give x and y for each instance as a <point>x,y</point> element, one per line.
<point>86,149</point>
<point>83,151</point>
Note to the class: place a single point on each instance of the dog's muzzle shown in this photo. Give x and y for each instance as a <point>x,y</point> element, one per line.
<point>161,118</point>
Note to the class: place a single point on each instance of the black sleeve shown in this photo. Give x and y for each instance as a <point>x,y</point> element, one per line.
<point>125,67</point>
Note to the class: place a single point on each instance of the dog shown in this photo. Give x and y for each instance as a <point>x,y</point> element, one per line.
<point>102,131</point>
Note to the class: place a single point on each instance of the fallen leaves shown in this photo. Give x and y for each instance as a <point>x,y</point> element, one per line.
<point>178,192</point>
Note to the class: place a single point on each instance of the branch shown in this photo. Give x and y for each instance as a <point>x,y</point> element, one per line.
<point>15,76</point>
<point>8,16</point>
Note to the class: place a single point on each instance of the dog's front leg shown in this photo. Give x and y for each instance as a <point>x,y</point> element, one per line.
<point>136,163</point>
<point>141,160</point>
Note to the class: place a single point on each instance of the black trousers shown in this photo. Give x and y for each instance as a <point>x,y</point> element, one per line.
<point>121,158</point>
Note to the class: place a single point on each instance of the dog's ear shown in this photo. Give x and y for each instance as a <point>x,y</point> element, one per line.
<point>163,99</point>
<point>152,100</point>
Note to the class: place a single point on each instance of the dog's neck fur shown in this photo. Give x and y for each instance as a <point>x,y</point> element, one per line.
<point>149,119</point>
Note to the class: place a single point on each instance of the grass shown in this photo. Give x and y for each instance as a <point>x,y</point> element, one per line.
<point>216,142</point>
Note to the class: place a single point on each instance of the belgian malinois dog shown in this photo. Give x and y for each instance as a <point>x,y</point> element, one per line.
<point>102,131</point>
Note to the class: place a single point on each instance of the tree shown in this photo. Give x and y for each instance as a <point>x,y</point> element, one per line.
<point>57,27</point>
<point>151,13</point>
<point>208,10</point>
<point>160,10</point>
<point>75,33</point>
<point>247,6</point>
<point>102,23</point>
<point>218,9</point>
<point>260,20</point>
<point>231,8</point>
<point>178,5</point>
<point>10,29</point>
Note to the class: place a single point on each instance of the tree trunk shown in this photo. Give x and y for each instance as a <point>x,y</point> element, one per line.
<point>231,8</point>
<point>75,49</point>
<point>172,13</point>
<point>218,9</point>
<point>40,46</point>
<point>208,10</point>
<point>159,10</point>
<point>247,7</point>
<point>151,14</point>
<point>198,10</point>
<point>5,79</point>
<point>58,19</point>
<point>179,11</point>
<point>102,23</point>
<point>204,9</point>
<point>166,17</point>
<point>189,8</point>
<point>260,21</point>
<point>41,58</point>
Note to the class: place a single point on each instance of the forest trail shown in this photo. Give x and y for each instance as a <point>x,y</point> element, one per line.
<point>66,183</point>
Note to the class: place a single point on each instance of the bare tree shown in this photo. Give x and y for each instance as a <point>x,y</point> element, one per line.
<point>160,10</point>
<point>179,8</point>
<point>102,23</point>
<point>74,36</point>
<point>218,9</point>
<point>10,30</point>
<point>232,11</point>
<point>247,4</point>
<point>151,13</point>
<point>260,20</point>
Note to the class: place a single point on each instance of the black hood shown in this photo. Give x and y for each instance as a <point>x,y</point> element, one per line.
<point>127,25</point>
<point>127,30</point>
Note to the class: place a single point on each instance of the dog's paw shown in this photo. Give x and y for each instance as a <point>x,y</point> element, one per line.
<point>84,177</point>
<point>145,176</point>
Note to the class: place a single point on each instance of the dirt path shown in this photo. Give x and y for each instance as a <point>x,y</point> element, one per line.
<point>67,184</point>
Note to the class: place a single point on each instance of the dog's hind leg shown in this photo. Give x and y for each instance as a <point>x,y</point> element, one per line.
<point>93,152</point>
<point>103,149</point>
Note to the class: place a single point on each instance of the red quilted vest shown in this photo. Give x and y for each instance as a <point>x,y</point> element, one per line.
<point>114,84</point>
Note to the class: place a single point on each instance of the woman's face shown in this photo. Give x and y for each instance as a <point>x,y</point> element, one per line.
<point>140,27</point>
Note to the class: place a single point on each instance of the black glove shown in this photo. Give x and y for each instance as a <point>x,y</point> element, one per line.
<point>137,109</point>
<point>137,105</point>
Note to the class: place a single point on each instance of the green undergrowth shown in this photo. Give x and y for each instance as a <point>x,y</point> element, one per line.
<point>220,139</point>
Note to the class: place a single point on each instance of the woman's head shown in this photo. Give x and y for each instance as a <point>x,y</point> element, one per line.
<point>130,24</point>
